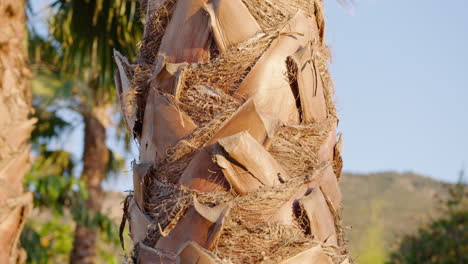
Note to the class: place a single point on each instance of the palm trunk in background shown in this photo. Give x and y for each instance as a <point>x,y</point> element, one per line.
<point>95,159</point>
<point>231,102</point>
<point>15,129</point>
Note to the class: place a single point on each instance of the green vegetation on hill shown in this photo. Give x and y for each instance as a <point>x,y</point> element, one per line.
<point>442,241</point>
<point>382,207</point>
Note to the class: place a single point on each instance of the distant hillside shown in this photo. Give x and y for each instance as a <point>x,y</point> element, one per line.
<point>381,207</point>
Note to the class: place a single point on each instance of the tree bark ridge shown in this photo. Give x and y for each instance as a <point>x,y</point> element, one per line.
<point>15,129</point>
<point>259,136</point>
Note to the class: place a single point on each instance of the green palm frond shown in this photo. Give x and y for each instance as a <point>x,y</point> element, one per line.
<point>84,34</point>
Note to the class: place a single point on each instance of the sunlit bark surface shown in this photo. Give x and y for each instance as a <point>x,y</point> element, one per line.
<point>231,103</point>
<point>15,129</point>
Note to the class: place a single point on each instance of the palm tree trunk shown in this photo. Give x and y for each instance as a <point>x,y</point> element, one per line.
<point>15,129</point>
<point>95,159</point>
<point>231,102</point>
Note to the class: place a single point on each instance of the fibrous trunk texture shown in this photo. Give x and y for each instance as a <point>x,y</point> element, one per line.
<point>15,129</point>
<point>231,103</point>
<point>95,159</point>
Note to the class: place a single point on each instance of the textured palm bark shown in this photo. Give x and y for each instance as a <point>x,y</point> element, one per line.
<point>95,159</point>
<point>272,163</point>
<point>15,129</point>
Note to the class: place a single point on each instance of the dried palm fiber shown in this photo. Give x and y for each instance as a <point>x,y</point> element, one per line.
<point>246,225</point>
<point>239,161</point>
<point>15,130</point>
<point>157,16</point>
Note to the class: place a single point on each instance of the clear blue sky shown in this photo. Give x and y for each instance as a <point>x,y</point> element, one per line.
<point>401,74</point>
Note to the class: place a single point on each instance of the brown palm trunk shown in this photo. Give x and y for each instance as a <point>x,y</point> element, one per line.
<point>15,129</point>
<point>231,102</point>
<point>95,159</point>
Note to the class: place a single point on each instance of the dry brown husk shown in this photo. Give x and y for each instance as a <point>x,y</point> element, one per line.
<point>237,173</point>
<point>15,130</point>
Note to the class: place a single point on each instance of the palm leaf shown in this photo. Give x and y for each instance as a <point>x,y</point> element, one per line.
<point>84,34</point>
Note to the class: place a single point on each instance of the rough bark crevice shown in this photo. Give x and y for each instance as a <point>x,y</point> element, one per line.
<point>15,129</point>
<point>252,128</point>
